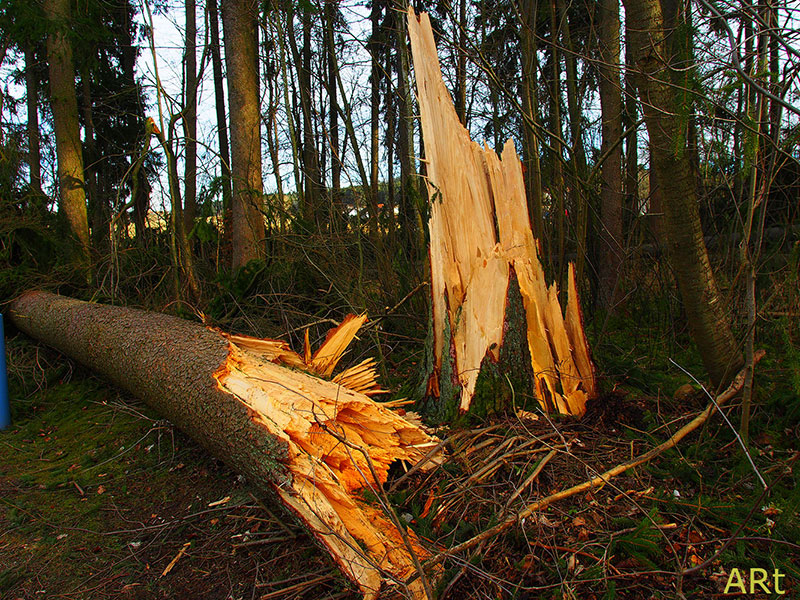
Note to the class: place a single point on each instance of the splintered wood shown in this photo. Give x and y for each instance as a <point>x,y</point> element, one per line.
<point>480,234</point>
<point>340,445</point>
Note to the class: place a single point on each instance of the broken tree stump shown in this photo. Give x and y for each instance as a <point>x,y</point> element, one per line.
<point>496,322</point>
<point>256,405</point>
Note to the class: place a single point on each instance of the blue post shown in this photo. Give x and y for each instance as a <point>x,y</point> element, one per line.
<point>5,411</point>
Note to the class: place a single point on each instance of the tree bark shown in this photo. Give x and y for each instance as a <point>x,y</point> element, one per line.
<point>314,443</point>
<point>611,194</point>
<point>64,104</point>
<point>709,323</point>
<point>241,58</point>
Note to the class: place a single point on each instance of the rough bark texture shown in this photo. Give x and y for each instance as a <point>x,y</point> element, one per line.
<point>64,104</point>
<point>247,221</point>
<point>315,443</point>
<point>480,239</point>
<point>709,324</point>
<point>166,361</point>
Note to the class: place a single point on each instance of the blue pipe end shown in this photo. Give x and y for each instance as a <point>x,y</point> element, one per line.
<point>5,409</point>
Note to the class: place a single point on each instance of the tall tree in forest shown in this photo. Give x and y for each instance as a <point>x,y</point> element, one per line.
<point>709,323</point>
<point>611,195</point>
<point>64,104</point>
<point>190,118</point>
<point>239,20</point>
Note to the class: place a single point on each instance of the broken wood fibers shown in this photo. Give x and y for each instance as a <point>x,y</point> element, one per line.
<point>481,237</point>
<point>261,408</point>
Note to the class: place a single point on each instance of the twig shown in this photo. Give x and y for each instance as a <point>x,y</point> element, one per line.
<point>175,560</point>
<point>530,478</point>
<point>748,369</point>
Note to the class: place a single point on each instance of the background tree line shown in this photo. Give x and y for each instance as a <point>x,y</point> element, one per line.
<point>651,131</point>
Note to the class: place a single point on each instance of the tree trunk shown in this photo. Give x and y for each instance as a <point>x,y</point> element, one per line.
<point>314,443</point>
<point>222,119</point>
<point>190,120</point>
<point>241,58</point>
<point>32,97</point>
<point>580,204</point>
<point>64,104</point>
<point>611,195</point>
<point>530,104</point>
<point>709,324</point>
<point>331,10</point>
<point>310,159</point>
<point>499,333</point>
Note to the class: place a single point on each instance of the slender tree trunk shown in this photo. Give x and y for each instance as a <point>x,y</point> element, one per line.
<point>708,322</point>
<point>461,62</point>
<point>64,104</point>
<point>580,203</point>
<point>222,119</point>
<point>529,10</point>
<point>611,195</point>
<point>309,156</point>
<point>331,9</point>
<point>557,188</point>
<point>375,99</point>
<point>410,216</point>
<point>241,57</point>
<point>630,118</point>
<point>97,212</point>
<point>32,101</point>
<point>140,186</point>
<point>190,119</point>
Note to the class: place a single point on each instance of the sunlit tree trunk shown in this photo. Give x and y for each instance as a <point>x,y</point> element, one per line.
<point>241,57</point>
<point>611,196</point>
<point>709,323</point>
<point>64,104</point>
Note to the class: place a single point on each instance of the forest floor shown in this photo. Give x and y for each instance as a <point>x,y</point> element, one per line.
<point>99,498</point>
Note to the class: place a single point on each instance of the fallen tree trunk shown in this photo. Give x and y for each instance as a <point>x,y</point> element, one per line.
<point>314,442</point>
<point>496,323</point>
